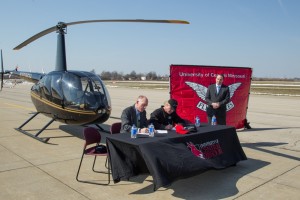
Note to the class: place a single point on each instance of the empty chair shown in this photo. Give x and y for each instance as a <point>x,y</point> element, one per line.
<point>115,128</point>
<point>93,137</point>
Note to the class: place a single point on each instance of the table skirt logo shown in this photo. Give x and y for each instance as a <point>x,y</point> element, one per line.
<point>201,92</point>
<point>205,150</point>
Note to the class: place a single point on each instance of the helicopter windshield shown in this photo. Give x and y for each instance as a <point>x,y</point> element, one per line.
<point>84,91</point>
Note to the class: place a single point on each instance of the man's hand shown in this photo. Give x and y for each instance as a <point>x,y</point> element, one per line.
<point>144,130</point>
<point>168,127</point>
<point>215,105</point>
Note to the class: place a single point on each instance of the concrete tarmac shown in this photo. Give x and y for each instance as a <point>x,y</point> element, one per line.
<point>30,169</point>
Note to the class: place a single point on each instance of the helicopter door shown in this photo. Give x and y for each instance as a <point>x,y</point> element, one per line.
<point>101,94</point>
<point>89,96</point>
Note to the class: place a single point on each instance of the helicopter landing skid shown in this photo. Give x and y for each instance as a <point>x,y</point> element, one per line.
<point>35,136</point>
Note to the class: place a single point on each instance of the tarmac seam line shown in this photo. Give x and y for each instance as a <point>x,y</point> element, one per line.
<point>31,166</point>
<point>57,162</point>
<point>270,181</point>
<point>62,182</point>
<point>273,114</point>
<point>37,166</point>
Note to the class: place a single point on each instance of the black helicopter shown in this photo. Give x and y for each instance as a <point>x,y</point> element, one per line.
<point>67,96</point>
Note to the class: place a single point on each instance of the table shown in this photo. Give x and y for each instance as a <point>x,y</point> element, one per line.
<point>168,157</point>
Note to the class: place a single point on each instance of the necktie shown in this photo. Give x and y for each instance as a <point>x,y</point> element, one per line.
<point>138,118</point>
<point>218,89</point>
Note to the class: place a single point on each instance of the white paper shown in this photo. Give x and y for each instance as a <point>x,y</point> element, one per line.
<point>161,131</point>
<point>143,133</point>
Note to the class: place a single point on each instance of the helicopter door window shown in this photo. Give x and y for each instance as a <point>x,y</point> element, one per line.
<point>97,86</point>
<point>89,97</point>
<point>85,84</point>
<point>72,90</point>
<point>102,92</point>
<point>56,88</point>
<point>45,87</point>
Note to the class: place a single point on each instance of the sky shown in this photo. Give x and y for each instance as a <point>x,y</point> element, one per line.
<point>261,34</point>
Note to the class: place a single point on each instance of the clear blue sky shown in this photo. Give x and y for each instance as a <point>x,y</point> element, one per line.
<point>262,34</point>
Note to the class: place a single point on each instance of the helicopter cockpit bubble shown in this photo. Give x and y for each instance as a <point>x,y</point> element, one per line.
<point>85,91</point>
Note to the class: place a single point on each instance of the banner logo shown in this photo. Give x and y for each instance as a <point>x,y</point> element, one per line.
<point>206,150</point>
<point>201,92</point>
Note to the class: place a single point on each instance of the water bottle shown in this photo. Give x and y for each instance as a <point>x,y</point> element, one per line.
<point>133,131</point>
<point>197,121</point>
<point>213,120</point>
<point>151,130</point>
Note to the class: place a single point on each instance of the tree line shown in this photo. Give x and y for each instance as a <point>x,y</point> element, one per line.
<point>114,75</point>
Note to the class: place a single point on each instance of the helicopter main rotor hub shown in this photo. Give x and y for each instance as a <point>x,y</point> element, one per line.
<point>61,27</point>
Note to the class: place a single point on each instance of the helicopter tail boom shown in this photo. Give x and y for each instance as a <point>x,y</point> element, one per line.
<point>29,76</point>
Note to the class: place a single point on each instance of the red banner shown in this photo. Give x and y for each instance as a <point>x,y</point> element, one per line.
<point>189,83</point>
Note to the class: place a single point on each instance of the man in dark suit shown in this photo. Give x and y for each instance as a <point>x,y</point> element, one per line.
<point>217,96</point>
<point>135,114</point>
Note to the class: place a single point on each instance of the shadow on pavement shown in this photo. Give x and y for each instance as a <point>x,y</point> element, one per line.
<point>262,129</point>
<point>213,184</point>
<point>259,147</point>
<point>77,131</point>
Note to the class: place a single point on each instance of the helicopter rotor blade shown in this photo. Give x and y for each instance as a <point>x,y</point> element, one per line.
<point>35,37</point>
<point>2,71</point>
<point>130,20</point>
<point>61,24</point>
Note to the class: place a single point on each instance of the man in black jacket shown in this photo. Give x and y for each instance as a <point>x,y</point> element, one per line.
<point>135,114</point>
<point>165,118</point>
<point>217,96</point>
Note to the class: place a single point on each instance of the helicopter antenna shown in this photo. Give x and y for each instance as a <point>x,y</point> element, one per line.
<point>60,28</point>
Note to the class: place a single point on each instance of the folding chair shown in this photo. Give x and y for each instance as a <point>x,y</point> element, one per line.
<point>92,136</point>
<point>115,128</point>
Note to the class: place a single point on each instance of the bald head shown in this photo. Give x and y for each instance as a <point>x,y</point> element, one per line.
<point>141,103</point>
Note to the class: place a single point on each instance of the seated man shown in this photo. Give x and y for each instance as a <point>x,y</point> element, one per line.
<point>165,118</point>
<point>135,114</point>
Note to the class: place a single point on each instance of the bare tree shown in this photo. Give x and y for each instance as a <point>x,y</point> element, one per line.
<point>105,75</point>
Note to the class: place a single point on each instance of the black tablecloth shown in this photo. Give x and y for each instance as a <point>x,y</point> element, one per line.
<point>167,157</point>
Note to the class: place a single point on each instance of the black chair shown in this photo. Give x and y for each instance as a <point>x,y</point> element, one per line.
<point>93,137</point>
